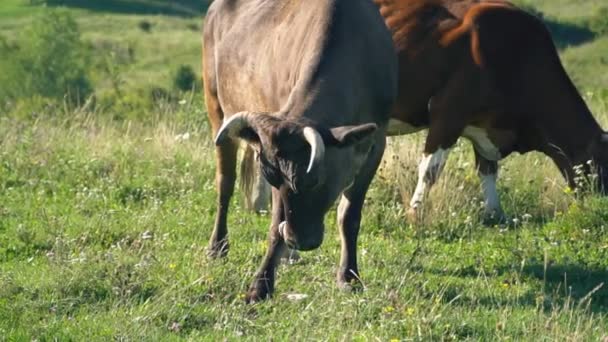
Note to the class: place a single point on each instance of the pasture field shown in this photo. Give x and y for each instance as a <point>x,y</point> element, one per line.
<point>106,208</point>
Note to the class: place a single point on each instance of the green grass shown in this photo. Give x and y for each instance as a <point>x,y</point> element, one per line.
<point>103,228</point>
<point>104,224</point>
<point>566,9</point>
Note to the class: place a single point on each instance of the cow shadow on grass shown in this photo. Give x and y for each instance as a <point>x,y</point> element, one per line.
<point>181,8</point>
<point>561,283</point>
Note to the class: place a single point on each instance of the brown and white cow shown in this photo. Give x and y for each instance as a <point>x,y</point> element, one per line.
<point>489,72</point>
<point>309,86</point>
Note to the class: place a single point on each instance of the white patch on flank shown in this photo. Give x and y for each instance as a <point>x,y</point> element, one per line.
<point>492,202</point>
<point>398,127</point>
<point>482,142</point>
<point>430,163</point>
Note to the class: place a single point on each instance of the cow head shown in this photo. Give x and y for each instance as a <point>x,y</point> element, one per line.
<point>308,164</point>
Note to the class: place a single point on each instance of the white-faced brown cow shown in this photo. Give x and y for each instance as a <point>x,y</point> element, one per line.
<point>489,72</point>
<point>309,86</point>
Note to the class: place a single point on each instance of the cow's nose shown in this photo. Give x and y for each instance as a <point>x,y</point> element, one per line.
<point>301,243</point>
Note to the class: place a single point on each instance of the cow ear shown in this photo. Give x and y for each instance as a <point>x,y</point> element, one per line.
<point>344,136</point>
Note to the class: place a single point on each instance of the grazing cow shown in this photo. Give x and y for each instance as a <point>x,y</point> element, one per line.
<point>309,86</point>
<point>489,72</point>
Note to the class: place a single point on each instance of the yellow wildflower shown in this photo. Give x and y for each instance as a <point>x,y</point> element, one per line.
<point>389,309</point>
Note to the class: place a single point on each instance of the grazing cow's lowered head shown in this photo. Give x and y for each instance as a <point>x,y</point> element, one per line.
<point>310,166</point>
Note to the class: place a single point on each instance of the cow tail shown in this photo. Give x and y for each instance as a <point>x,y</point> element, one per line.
<point>247,178</point>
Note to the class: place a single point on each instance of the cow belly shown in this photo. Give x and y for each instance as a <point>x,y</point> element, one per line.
<point>398,127</point>
<point>482,142</point>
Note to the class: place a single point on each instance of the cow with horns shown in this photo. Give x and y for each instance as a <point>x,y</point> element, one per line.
<point>308,85</point>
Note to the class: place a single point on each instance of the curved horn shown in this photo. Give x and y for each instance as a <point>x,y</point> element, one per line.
<point>317,146</point>
<point>231,127</point>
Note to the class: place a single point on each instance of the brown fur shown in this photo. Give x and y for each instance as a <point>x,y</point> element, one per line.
<point>491,65</point>
<point>287,76</point>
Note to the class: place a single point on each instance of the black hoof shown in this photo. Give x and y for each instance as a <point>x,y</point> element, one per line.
<point>218,250</point>
<point>494,218</point>
<point>256,295</point>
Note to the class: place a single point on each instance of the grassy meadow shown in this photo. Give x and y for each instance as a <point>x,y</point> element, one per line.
<point>107,203</point>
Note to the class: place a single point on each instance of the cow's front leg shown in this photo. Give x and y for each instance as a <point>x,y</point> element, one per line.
<point>263,283</point>
<point>349,217</point>
<point>488,171</point>
<point>260,195</point>
<point>429,169</point>
<point>225,179</point>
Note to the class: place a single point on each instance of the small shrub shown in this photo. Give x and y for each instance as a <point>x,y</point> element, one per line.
<point>598,23</point>
<point>145,26</point>
<point>185,78</point>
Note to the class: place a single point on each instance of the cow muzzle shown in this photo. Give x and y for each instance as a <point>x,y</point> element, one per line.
<point>305,241</point>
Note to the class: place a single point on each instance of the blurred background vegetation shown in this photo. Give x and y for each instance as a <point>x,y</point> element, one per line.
<point>127,56</point>
<point>124,58</point>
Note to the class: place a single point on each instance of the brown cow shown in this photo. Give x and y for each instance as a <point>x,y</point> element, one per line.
<point>489,72</point>
<point>309,85</point>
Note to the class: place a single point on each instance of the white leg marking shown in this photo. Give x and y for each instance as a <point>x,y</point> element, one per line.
<point>492,202</point>
<point>428,170</point>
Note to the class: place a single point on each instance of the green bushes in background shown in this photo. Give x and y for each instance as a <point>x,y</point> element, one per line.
<point>185,79</point>
<point>48,60</point>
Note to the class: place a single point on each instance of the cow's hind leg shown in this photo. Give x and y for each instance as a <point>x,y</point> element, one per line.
<point>488,172</point>
<point>349,217</point>
<point>255,189</point>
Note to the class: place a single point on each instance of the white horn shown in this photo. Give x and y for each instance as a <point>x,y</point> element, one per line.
<point>317,147</point>
<point>231,127</point>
